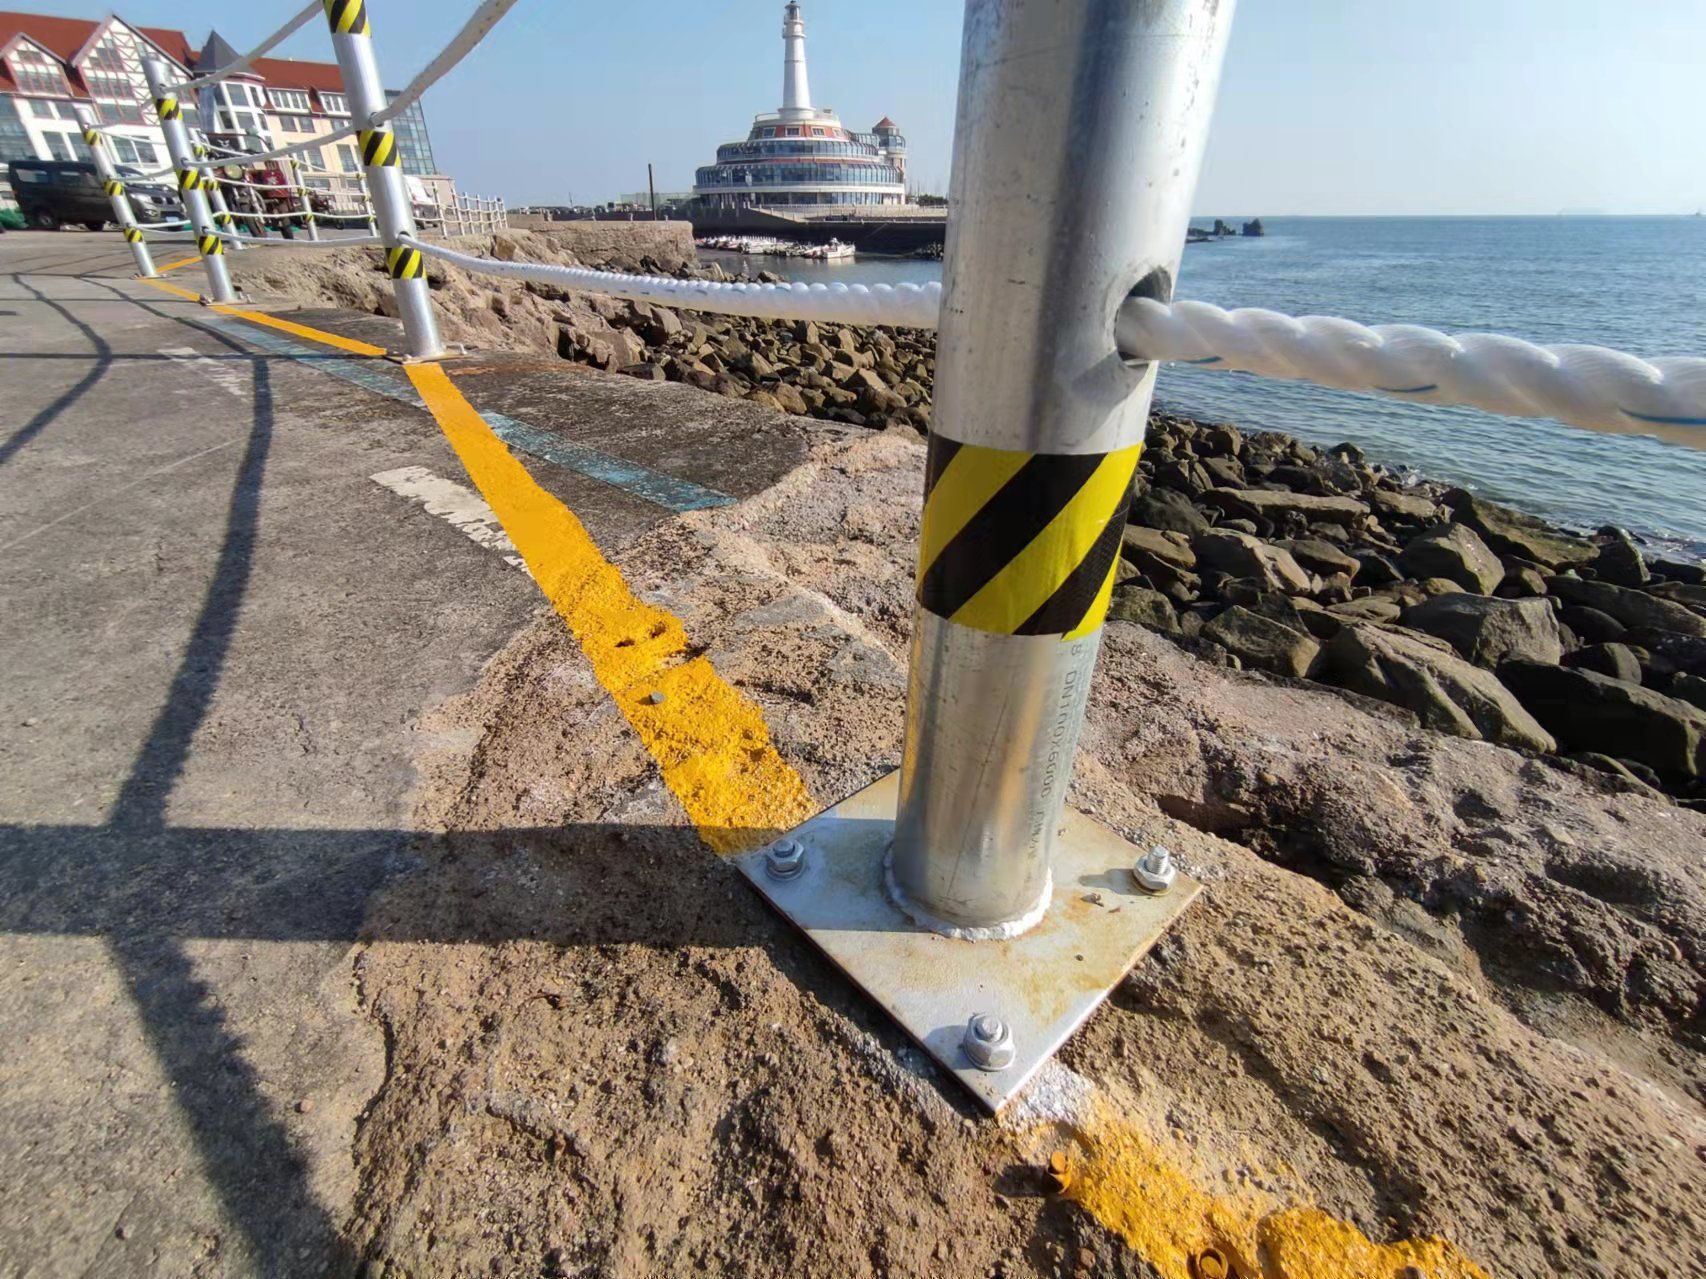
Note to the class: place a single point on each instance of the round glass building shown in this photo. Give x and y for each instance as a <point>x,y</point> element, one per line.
<point>801,155</point>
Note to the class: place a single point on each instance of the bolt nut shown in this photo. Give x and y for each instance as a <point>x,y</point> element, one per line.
<point>988,1042</point>
<point>784,859</point>
<point>1155,871</point>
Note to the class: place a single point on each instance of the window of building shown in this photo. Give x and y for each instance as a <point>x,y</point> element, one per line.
<point>334,103</point>
<point>14,137</point>
<point>119,112</point>
<point>817,133</point>
<point>35,72</point>
<point>414,147</point>
<point>346,158</point>
<point>109,84</point>
<point>296,123</point>
<point>104,56</point>
<point>289,100</point>
<point>134,151</point>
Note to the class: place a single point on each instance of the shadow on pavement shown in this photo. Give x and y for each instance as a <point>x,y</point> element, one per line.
<point>103,354</point>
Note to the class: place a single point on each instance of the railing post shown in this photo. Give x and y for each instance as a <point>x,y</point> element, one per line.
<point>216,197</point>
<point>352,39</point>
<point>189,181</point>
<point>302,194</point>
<point>115,192</point>
<point>1080,135</point>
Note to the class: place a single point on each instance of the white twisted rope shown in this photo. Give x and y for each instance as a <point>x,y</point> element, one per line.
<point>259,51</point>
<point>1588,386</point>
<point>906,305</point>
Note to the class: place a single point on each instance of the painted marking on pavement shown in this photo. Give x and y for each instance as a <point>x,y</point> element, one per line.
<point>456,504</point>
<point>273,322</point>
<point>667,491</point>
<point>1146,1189</point>
<point>227,378</point>
<point>181,262</point>
<point>710,742</point>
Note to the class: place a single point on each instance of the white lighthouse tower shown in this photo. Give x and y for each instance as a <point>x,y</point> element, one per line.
<point>796,88</point>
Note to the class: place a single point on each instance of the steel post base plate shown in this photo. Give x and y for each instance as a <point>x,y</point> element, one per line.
<point>1043,984</point>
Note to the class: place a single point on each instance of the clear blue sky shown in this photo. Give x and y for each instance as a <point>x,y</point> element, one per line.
<point>1327,106</point>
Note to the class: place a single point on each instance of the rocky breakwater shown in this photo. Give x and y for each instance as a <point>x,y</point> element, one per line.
<point>1262,552</point>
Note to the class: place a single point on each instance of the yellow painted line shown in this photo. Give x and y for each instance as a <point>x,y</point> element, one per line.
<point>710,742</point>
<point>181,262</point>
<point>1140,1189</point>
<point>353,345</point>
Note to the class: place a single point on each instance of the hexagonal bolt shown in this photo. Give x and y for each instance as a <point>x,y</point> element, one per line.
<point>1155,871</point>
<point>784,859</point>
<point>988,1042</point>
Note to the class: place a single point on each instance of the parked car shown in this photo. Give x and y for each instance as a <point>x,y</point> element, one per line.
<point>51,193</point>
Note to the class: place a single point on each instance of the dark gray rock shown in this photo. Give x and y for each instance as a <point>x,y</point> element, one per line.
<point>1454,552</point>
<point>1377,569</point>
<point>1446,692</point>
<point>1677,571</point>
<point>1145,607</point>
<point>1262,643</point>
<point>1592,712</point>
<point>1275,505</point>
<point>1521,582</point>
<point>1591,625</point>
<point>1145,546</point>
<point>1488,631</point>
<point>1631,607</point>
<point>1688,688</point>
<point>1242,555</point>
<point>1616,660</point>
<point>1404,506</point>
<point>1165,509</point>
<point>1319,556</point>
<point>1513,533</point>
<point>1619,561</point>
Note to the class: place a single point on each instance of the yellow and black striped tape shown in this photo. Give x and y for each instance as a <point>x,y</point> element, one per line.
<point>211,246</point>
<point>404,263</point>
<point>348,17</point>
<point>379,147</point>
<point>189,180</point>
<point>132,235</point>
<point>91,136</point>
<point>222,219</point>
<point>1022,543</point>
<point>168,108</point>
<point>113,187</point>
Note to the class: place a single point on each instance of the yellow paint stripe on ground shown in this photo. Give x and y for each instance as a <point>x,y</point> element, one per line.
<point>710,742</point>
<point>966,485</point>
<point>1134,1186</point>
<point>353,345</point>
<point>1036,573</point>
<point>181,262</point>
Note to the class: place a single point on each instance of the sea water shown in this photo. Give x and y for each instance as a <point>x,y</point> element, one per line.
<point>1634,284</point>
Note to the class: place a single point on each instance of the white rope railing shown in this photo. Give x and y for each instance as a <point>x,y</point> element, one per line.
<point>330,242</point>
<point>1589,386</point>
<point>905,305</point>
<point>476,29</point>
<point>259,51</point>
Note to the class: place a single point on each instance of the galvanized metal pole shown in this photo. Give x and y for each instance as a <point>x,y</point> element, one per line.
<point>216,197</point>
<point>302,194</point>
<point>352,40</point>
<point>114,187</point>
<point>189,181</point>
<point>1080,135</point>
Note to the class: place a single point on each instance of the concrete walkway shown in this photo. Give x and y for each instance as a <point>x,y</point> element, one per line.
<point>234,579</point>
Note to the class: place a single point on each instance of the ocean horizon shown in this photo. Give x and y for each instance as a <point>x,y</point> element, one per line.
<point>1629,282</point>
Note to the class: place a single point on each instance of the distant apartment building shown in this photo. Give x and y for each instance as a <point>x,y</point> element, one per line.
<point>50,66</point>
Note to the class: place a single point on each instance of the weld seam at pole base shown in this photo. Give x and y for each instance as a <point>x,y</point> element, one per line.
<point>964,932</point>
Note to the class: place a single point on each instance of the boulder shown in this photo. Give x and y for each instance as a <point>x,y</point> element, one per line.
<point>1371,608</point>
<point>1275,505</point>
<point>1513,533</point>
<point>1320,556</point>
<point>645,372</point>
<point>789,399</point>
<point>1455,552</point>
<point>1616,660</point>
<point>1446,692</point>
<point>1165,509</point>
<point>1145,607</point>
<point>1591,625</point>
<point>1620,563</point>
<point>1404,506</point>
<point>1488,631</point>
<point>1377,569</point>
<point>1521,582</point>
<point>1633,608</point>
<point>1263,643</point>
<point>1688,688</point>
<point>1242,555</point>
<point>1593,712</point>
<point>1167,555</point>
